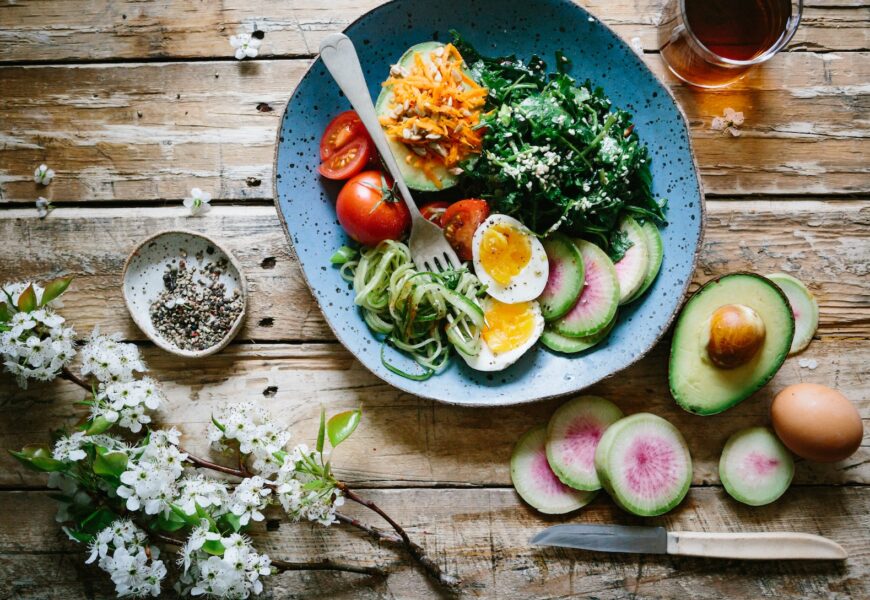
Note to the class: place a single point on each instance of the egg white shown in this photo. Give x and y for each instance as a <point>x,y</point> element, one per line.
<point>487,360</point>
<point>529,283</point>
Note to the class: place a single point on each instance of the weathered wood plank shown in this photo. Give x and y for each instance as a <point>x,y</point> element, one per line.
<point>65,30</point>
<point>824,243</point>
<point>408,441</point>
<point>482,535</point>
<point>153,131</point>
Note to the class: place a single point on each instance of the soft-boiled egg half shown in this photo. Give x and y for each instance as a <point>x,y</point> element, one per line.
<point>509,330</point>
<point>509,259</point>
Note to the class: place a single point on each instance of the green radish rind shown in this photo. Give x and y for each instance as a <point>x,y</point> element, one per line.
<point>580,421</point>
<point>566,345</point>
<point>755,467</point>
<point>631,269</point>
<point>696,384</point>
<point>804,308</point>
<point>566,264</point>
<point>600,286</point>
<point>656,250</point>
<point>620,436</point>
<point>536,483</point>
<point>415,178</point>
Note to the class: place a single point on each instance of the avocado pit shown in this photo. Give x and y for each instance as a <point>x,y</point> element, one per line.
<point>736,333</point>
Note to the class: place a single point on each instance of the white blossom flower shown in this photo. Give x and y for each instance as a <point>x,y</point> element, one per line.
<point>109,360</point>
<point>150,481</point>
<point>43,175</point>
<point>43,207</point>
<point>257,434</point>
<point>124,402</point>
<point>245,45</point>
<point>69,448</point>
<point>249,498</point>
<point>121,550</point>
<point>728,123</point>
<point>205,492</point>
<point>316,504</point>
<point>198,201</point>
<point>36,345</point>
<point>236,574</point>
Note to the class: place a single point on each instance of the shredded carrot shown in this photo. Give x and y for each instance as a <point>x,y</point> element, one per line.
<point>434,110</point>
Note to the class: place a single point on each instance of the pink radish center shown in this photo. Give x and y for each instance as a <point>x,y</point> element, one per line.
<point>545,479</point>
<point>581,439</point>
<point>627,261</point>
<point>555,278</point>
<point>651,467</point>
<point>761,464</point>
<point>589,296</point>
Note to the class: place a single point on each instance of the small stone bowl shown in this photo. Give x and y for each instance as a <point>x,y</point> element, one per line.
<point>143,281</point>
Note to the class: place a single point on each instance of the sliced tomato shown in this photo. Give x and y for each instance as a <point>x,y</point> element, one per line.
<point>460,221</point>
<point>369,211</point>
<point>348,161</point>
<point>433,211</point>
<point>340,131</point>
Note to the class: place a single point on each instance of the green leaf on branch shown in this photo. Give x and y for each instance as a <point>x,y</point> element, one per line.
<point>321,431</point>
<point>191,520</point>
<point>109,463</point>
<point>202,513</point>
<point>98,425</point>
<point>27,299</point>
<point>78,536</point>
<point>38,458</point>
<point>214,547</point>
<point>55,288</point>
<point>4,313</point>
<point>171,522</point>
<point>343,424</point>
<point>218,425</point>
<point>98,520</point>
<point>233,521</point>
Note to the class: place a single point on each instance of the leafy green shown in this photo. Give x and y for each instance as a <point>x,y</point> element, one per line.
<point>556,154</point>
<point>55,288</point>
<point>341,426</point>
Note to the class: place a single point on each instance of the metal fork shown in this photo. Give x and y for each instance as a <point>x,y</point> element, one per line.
<point>429,249</point>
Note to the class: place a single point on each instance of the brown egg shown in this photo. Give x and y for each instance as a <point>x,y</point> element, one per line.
<point>816,422</point>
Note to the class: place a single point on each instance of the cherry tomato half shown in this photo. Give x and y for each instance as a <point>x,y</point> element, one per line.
<point>460,221</point>
<point>369,212</point>
<point>341,130</point>
<point>433,211</point>
<point>349,160</point>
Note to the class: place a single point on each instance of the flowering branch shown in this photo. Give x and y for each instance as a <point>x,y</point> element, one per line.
<point>125,497</point>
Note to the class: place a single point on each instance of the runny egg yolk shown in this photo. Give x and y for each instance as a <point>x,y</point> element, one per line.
<point>504,252</point>
<point>507,326</point>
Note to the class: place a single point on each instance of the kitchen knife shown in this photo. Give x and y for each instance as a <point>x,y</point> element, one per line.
<point>657,540</point>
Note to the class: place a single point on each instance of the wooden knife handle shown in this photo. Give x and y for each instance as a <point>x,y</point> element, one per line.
<point>754,546</point>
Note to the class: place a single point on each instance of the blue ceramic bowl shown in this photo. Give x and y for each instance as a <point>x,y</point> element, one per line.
<point>305,201</point>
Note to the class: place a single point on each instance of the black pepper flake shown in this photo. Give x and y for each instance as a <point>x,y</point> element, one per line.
<point>193,312</point>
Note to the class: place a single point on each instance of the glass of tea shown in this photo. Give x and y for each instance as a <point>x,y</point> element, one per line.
<point>711,43</point>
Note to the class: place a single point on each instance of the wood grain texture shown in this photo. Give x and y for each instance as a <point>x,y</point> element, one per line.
<point>826,244</point>
<point>94,30</point>
<point>481,535</point>
<point>407,441</point>
<point>150,132</point>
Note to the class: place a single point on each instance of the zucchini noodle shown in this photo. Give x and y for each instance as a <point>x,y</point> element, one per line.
<point>417,312</point>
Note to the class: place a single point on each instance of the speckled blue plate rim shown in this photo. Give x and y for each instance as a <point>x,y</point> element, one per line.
<point>413,387</point>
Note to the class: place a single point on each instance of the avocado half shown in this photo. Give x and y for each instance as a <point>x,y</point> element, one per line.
<point>414,178</point>
<point>697,384</point>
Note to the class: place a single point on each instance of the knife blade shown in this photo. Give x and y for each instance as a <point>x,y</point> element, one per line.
<point>657,540</point>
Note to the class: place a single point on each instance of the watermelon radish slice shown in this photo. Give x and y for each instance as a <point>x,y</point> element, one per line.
<point>755,468</point>
<point>644,464</point>
<point>632,267</point>
<point>565,281</point>
<point>536,483</point>
<point>572,436</point>
<point>656,253</point>
<point>803,306</point>
<point>597,304</point>
<point>560,343</point>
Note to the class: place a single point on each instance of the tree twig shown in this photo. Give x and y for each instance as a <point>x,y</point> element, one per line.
<point>376,534</point>
<point>328,565</point>
<point>415,550</point>
<point>207,464</point>
<point>70,376</point>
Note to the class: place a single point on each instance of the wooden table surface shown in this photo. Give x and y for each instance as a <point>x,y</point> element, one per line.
<point>133,103</point>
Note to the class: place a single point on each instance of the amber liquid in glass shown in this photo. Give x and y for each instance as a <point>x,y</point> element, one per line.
<point>733,29</point>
